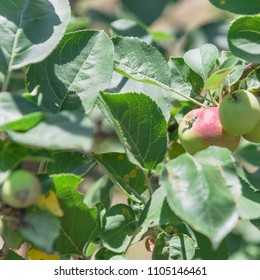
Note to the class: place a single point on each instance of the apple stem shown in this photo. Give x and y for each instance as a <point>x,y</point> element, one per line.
<point>183,95</point>
<point>220,95</point>
<point>213,100</point>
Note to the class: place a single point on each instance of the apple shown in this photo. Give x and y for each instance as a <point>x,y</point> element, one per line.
<point>201,128</point>
<point>239,112</point>
<point>254,134</point>
<point>21,189</point>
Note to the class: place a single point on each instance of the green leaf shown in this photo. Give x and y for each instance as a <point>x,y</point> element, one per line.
<point>253,80</point>
<point>140,125</point>
<point>11,255</point>
<point>99,192</point>
<point>184,79</point>
<point>30,30</point>
<point>78,223</point>
<point>121,84</point>
<point>11,235</point>
<point>203,190</point>
<point>105,254</point>
<point>75,72</point>
<point>234,76</point>
<point>70,162</point>
<point>250,153</point>
<point>244,38</point>
<point>140,61</point>
<point>41,229</point>
<point>17,113</point>
<point>12,155</point>
<point>127,27</point>
<point>175,247</point>
<point>254,178</point>
<point>216,79</point>
<point>206,252</point>
<point>202,60</point>
<point>157,211</point>
<point>248,205</point>
<point>129,177</point>
<point>119,225</point>
<point>238,6</point>
<point>76,128</point>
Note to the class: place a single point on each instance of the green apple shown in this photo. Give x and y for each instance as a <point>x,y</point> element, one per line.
<point>201,128</point>
<point>254,134</point>
<point>21,189</point>
<point>239,112</point>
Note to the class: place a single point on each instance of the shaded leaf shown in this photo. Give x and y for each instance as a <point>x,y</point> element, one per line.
<point>250,153</point>
<point>200,188</point>
<point>99,192</point>
<point>184,79</point>
<point>105,254</point>
<point>175,247</point>
<point>238,6</point>
<point>69,162</point>
<point>13,154</point>
<point>78,223</point>
<point>121,84</point>
<point>254,178</point>
<point>140,125</point>
<point>30,30</point>
<point>253,80</point>
<point>119,225</point>
<point>248,205</point>
<point>75,72</point>
<point>157,211</point>
<point>41,229</point>
<point>127,27</point>
<point>206,252</point>
<point>244,37</point>
<point>11,255</point>
<point>51,132</point>
<point>202,60</point>
<point>129,177</point>
<point>17,113</point>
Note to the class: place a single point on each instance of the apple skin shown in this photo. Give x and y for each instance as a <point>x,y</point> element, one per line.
<point>239,112</point>
<point>201,128</point>
<point>21,189</point>
<point>254,134</point>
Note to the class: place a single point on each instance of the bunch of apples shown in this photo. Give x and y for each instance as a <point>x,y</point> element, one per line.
<point>237,115</point>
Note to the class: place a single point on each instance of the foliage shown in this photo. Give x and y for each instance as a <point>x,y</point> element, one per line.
<point>82,83</point>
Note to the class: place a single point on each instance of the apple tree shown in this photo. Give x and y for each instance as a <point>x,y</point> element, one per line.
<point>177,137</point>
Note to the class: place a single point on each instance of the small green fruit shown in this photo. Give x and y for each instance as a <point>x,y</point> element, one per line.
<point>201,128</point>
<point>254,134</point>
<point>21,189</point>
<point>239,112</point>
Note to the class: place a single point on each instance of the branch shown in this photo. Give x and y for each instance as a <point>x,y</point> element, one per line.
<point>4,251</point>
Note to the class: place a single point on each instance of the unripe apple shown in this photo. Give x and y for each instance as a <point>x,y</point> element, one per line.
<point>254,134</point>
<point>21,189</point>
<point>201,128</point>
<point>239,112</point>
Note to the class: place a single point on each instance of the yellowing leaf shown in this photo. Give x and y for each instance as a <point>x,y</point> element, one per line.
<point>50,203</point>
<point>34,254</point>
